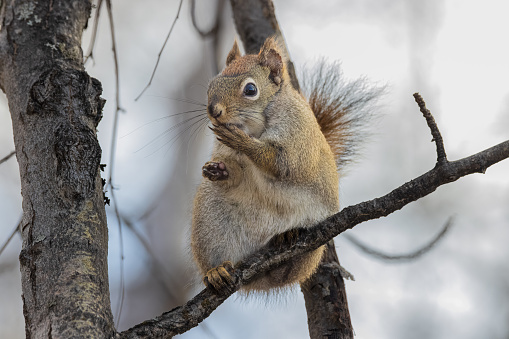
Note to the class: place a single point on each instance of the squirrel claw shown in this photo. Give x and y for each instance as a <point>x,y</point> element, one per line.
<point>220,278</point>
<point>215,171</point>
<point>231,135</point>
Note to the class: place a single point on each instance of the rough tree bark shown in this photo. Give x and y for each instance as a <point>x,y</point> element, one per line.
<point>324,292</point>
<point>55,108</point>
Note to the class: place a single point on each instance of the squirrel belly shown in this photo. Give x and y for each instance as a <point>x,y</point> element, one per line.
<point>271,169</point>
<point>231,221</point>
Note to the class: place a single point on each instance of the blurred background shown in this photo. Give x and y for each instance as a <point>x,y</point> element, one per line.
<point>454,52</point>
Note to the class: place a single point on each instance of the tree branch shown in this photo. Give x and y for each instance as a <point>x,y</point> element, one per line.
<point>14,231</point>
<point>213,33</point>
<point>90,52</point>
<point>435,132</point>
<point>215,28</point>
<point>161,52</point>
<point>201,306</point>
<point>400,257</point>
<point>7,157</point>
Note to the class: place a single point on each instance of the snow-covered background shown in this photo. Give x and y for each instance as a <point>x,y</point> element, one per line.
<point>454,52</point>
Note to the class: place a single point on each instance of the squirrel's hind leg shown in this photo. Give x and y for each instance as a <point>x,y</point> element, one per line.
<point>220,279</point>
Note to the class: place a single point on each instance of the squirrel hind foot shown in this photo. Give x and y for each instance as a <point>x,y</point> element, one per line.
<point>220,278</point>
<point>215,171</point>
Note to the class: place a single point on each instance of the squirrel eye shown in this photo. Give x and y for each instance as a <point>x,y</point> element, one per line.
<point>250,90</point>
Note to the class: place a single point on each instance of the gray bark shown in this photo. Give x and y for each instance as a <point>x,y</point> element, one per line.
<point>325,298</point>
<point>55,108</point>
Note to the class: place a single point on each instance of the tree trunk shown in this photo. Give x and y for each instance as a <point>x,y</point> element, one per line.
<point>55,108</point>
<point>325,297</point>
<point>255,21</point>
<point>324,292</point>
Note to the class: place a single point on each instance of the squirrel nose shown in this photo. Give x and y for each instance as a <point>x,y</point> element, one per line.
<point>215,111</point>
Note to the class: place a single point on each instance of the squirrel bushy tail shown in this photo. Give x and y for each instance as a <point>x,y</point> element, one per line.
<point>341,108</point>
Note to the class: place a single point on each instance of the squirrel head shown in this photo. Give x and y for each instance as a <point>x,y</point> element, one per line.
<point>240,94</point>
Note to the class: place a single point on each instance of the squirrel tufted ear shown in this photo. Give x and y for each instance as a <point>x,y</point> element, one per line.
<point>270,56</point>
<point>234,53</point>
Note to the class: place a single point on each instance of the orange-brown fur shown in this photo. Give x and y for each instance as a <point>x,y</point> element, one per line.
<point>281,172</point>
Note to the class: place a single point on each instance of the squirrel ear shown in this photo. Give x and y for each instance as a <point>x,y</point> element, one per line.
<point>270,57</point>
<point>234,53</point>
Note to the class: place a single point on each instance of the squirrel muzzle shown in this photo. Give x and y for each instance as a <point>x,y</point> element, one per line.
<point>215,109</point>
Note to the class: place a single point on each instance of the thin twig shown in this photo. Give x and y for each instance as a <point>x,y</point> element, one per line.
<point>159,265</point>
<point>90,51</point>
<point>120,302</point>
<point>7,157</point>
<point>213,33</point>
<point>14,231</point>
<point>435,132</point>
<point>400,257</point>
<point>113,149</point>
<point>115,61</point>
<point>210,32</point>
<point>161,52</point>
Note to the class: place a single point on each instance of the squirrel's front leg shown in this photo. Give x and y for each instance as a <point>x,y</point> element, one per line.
<point>224,171</point>
<point>263,154</point>
<point>215,171</point>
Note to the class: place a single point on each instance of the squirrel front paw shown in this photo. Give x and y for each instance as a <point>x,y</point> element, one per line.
<point>220,278</point>
<point>232,136</point>
<point>215,171</point>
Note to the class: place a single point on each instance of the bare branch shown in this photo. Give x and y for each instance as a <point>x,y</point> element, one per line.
<point>7,157</point>
<point>193,312</point>
<point>400,257</point>
<point>115,60</point>
<point>435,132</point>
<point>113,149</point>
<point>90,51</point>
<point>161,52</point>
<point>213,31</point>
<point>14,231</point>
<point>159,265</point>
<point>121,295</point>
